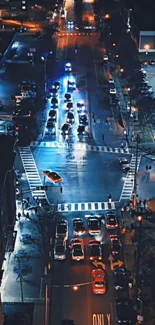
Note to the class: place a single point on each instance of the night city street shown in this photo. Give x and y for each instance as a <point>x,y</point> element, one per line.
<point>77,177</point>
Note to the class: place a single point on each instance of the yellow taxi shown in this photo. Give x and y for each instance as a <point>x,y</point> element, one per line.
<point>52,176</point>
<point>99,285</point>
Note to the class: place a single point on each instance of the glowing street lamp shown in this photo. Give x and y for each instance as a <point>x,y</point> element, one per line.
<point>44,59</point>
<point>75,288</point>
<point>139,219</point>
<point>147,47</point>
<point>107,16</point>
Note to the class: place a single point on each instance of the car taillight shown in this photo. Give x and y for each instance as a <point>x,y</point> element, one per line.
<point>91,258</point>
<point>100,258</point>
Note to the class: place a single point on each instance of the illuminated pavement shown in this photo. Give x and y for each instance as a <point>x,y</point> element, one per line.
<point>89,175</point>
<point>81,305</point>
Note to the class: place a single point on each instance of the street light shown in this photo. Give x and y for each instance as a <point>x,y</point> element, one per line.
<point>147,47</point>
<point>135,174</point>
<point>20,278</point>
<point>139,219</point>
<point>44,59</point>
<point>107,16</point>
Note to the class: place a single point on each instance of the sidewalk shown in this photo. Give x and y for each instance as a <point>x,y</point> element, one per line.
<point>24,267</point>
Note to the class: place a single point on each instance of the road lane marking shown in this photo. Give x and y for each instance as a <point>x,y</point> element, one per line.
<point>78,146</point>
<point>101,319</point>
<point>129,181</point>
<point>82,206</point>
<point>31,172</point>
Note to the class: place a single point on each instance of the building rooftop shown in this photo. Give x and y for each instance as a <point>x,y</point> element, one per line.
<point>143,14</point>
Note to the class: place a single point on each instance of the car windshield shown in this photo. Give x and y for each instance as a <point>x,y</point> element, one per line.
<point>52,113</point>
<point>125,311</point>
<point>125,162</point>
<point>60,249</point>
<point>79,226</point>
<point>53,175</point>
<point>94,250</point>
<point>99,284</point>
<point>112,221</point>
<point>61,229</point>
<point>77,250</point>
<point>94,225</point>
<point>120,278</point>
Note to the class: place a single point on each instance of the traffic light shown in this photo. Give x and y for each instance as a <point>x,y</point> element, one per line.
<point>23,5</point>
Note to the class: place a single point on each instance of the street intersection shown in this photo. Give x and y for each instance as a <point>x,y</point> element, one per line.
<point>90,172</point>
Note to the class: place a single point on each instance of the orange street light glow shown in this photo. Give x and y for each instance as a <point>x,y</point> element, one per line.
<point>147,47</point>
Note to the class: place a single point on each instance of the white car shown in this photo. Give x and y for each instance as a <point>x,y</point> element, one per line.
<point>60,249</point>
<point>81,108</point>
<point>62,230</point>
<point>68,67</point>
<point>125,165</point>
<point>71,84</point>
<point>111,81</point>
<point>105,58</point>
<point>112,91</point>
<point>77,249</point>
<point>94,225</point>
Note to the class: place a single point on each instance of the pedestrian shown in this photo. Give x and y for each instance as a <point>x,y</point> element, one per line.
<point>132,212</point>
<point>28,200</point>
<point>146,167</point>
<point>60,189</point>
<point>19,216</point>
<point>132,226</point>
<point>103,137</point>
<point>110,198</point>
<point>144,203</point>
<point>122,212</point>
<point>140,203</point>
<point>27,217</point>
<point>36,210</point>
<point>125,208</point>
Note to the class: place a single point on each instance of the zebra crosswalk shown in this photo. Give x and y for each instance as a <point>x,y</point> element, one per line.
<point>79,146</point>
<point>31,172</point>
<point>83,206</point>
<point>129,181</point>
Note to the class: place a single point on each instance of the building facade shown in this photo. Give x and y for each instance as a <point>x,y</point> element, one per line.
<point>7,196</point>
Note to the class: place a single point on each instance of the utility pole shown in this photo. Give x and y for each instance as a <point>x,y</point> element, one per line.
<point>20,279</point>
<point>22,201</point>
<point>135,174</point>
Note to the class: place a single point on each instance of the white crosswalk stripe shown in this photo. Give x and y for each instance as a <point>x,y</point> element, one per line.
<point>83,206</point>
<point>129,181</point>
<point>31,172</point>
<point>78,146</point>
